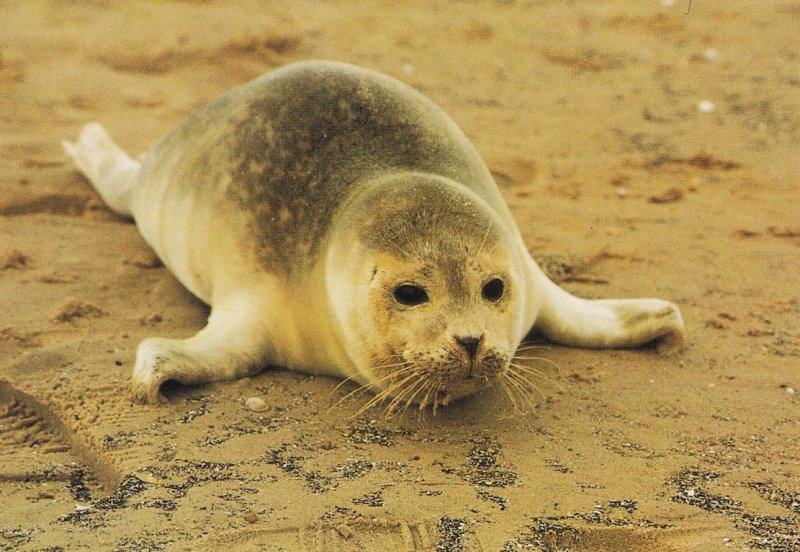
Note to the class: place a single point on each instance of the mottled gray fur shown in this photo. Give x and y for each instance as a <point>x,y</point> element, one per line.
<point>291,148</point>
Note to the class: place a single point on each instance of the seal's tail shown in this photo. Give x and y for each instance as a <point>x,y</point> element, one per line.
<point>109,168</point>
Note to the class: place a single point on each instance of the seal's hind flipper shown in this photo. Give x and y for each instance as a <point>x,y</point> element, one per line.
<point>112,172</point>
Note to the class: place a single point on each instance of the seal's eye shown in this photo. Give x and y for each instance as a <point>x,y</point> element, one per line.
<point>493,290</point>
<point>410,295</point>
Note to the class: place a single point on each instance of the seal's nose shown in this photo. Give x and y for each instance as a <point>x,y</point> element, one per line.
<point>470,344</point>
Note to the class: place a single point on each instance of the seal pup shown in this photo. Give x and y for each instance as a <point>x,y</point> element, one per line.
<point>339,222</point>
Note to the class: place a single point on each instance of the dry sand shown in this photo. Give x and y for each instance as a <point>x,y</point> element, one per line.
<point>624,184</point>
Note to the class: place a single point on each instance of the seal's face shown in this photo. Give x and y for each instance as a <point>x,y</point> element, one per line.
<point>433,303</point>
<point>439,329</point>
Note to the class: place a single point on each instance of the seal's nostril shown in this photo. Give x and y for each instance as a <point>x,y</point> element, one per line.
<point>470,344</point>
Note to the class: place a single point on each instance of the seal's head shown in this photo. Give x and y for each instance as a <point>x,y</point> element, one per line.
<point>427,289</point>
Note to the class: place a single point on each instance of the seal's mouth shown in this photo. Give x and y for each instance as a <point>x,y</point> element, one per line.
<point>422,393</point>
<point>400,384</point>
<point>417,381</point>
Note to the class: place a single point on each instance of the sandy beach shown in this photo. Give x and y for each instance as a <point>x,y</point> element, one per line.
<point>646,149</point>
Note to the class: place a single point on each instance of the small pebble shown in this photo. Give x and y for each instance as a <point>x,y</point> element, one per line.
<point>622,193</point>
<point>711,54</point>
<point>791,391</point>
<point>251,517</point>
<point>706,106</point>
<point>256,404</point>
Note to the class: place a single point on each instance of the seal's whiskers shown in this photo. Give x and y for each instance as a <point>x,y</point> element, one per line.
<point>405,368</point>
<point>432,385</point>
<point>526,384</point>
<point>511,396</point>
<point>552,363</point>
<point>521,391</point>
<point>405,395</point>
<point>514,389</point>
<point>389,391</point>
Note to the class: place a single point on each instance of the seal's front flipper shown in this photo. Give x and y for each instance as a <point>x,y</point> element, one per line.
<point>604,323</point>
<point>109,169</point>
<point>229,347</point>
